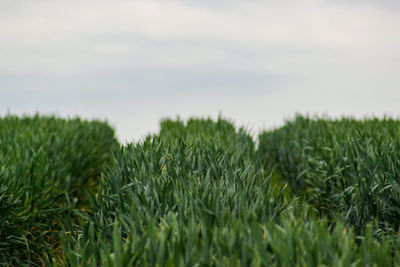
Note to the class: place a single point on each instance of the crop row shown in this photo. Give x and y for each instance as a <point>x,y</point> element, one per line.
<point>347,168</point>
<point>45,165</point>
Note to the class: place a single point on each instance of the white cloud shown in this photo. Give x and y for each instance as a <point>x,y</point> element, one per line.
<point>256,61</point>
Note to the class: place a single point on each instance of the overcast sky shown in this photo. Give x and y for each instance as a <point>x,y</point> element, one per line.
<point>255,62</point>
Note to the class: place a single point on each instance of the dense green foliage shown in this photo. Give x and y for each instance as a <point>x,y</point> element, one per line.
<point>200,194</point>
<point>46,163</point>
<point>316,192</point>
<point>182,198</point>
<point>347,168</point>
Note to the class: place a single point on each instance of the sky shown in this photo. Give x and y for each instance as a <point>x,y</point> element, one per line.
<point>256,63</point>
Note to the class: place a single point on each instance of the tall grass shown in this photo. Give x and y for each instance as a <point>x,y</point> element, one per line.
<point>347,168</point>
<point>46,163</point>
<point>199,194</point>
<point>184,197</point>
<point>316,192</point>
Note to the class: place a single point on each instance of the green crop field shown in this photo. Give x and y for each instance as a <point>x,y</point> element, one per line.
<point>314,192</point>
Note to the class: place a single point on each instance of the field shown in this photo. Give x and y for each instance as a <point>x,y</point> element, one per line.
<point>315,192</point>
